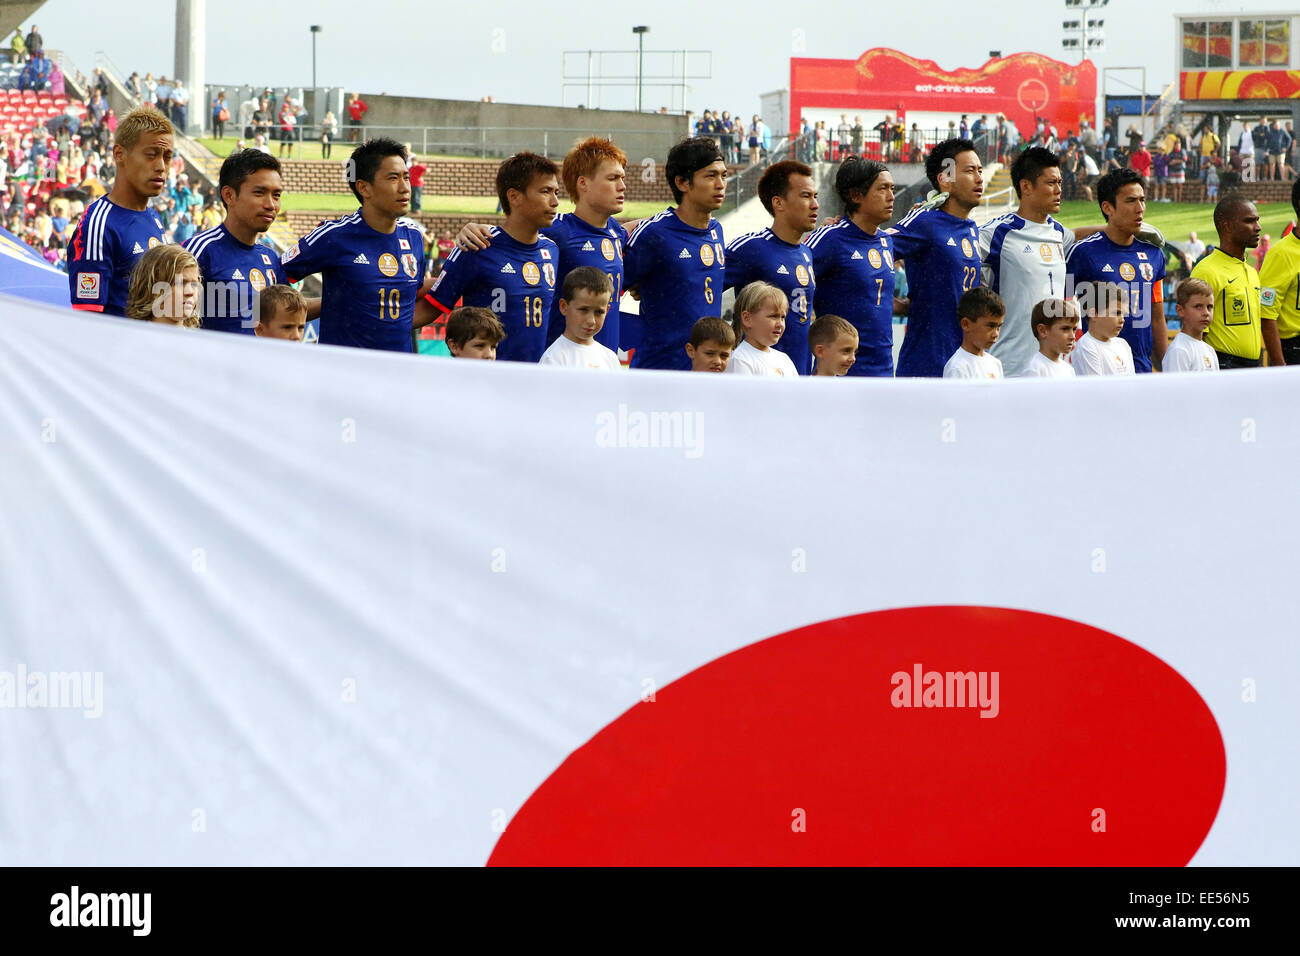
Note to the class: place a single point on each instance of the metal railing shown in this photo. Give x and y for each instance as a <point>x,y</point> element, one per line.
<point>483,142</point>
<point>744,186</point>
<point>905,146</point>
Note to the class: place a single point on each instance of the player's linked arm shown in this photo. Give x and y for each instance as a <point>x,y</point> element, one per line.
<point>425,310</point>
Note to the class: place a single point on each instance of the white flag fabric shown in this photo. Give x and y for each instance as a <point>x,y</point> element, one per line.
<point>268,604</point>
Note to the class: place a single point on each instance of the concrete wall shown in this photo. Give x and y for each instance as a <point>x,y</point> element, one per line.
<point>466,128</point>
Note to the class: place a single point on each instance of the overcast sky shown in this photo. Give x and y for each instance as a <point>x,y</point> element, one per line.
<point>512,50</point>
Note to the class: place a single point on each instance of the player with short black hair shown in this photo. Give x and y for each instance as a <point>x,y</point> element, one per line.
<point>1023,254</point>
<point>235,267</point>
<point>940,245</point>
<point>372,262</point>
<point>515,275</point>
<point>1118,254</point>
<point>777,255</point>
<point>676,259</point>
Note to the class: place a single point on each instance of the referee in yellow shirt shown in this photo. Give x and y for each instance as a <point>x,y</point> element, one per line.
<point>1235,331</point>
<point>1279,296</point>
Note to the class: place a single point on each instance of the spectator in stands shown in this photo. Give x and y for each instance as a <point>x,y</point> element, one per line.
<point>95,108</point>
<point>133,85</point>
<point>220,115</point>
<point>101,82</point>
<point>755,139</point>
<point>180,106</point>
<point>17,47</point>
<point>418,169</point>
<point>262,118</point>
<point>288,125</point>
<point>35,42</point>
<point>916,145</point>
<point>164,94</point>
<point>150,89</point>
<point>1279,145</point>
<point>57,85</point>
<point>329,128</point>
<point>357,109</point>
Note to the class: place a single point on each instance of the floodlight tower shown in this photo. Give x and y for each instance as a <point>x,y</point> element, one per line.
<point>1084,32</point>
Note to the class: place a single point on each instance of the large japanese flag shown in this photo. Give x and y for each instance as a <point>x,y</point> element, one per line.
<point>263,603</point>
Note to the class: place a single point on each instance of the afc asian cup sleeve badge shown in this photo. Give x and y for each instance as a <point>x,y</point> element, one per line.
<point>873,256</point>
<point>801,273</point>
<point>532,275</point>
<point>967,249</point>
<point>1126,271</point>
<point>88,285</point>
<point>706,255</point>
<point>1268,297</point>
<point>291,254</point>
<point>607,249</point>
<point>409,265</point>
<point>1146,270</point>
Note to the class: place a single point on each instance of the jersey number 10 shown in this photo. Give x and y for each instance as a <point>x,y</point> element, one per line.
<point>394,303</point>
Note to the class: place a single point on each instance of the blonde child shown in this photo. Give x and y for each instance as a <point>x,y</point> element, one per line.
<point>165,286</point>
<point>759,314</point>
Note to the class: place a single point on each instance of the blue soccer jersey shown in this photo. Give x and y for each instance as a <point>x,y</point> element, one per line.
<point>515,280</point>
<point>764,256</point>
<point>104,249</point>
<point>1139,267</point>
<point>855,280</point>
<point>941,255</point>
<point>233,274</point>
<point>581,244</point>
<point>371,280</point>
<point>679,271</point>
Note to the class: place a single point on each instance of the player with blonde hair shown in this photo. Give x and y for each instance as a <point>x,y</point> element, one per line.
<point>118,228</point>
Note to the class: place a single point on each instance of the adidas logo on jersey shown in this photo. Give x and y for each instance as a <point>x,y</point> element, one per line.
<point>783,271</point>
<point>1107,268</point>
<point>137,250</point>
<point>1027,249</point>
<point>951,242</point>
<point>684,254</point>
<point>508,268</point>
<point>237,275</point>
<point>361,260</point>
<point>588,247</point>
<point>856,255</point>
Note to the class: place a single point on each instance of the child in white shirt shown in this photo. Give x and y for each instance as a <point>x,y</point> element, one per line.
<point>584,300</point>
<point>760,316</point>
<point>1188,352</point>
<point>1100,350</point>
<point>1053,322</point>
<point>981,312</point>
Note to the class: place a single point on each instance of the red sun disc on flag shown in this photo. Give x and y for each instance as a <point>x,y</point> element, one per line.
<point>885,739</point>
